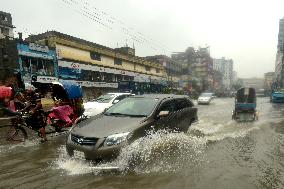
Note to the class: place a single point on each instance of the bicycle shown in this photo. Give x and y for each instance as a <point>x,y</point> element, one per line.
<point>16,132</point>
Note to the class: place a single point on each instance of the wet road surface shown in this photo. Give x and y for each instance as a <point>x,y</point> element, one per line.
<point>216,153</point>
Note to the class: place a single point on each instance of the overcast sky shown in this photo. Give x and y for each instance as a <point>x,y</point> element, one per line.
<point>243,30</point>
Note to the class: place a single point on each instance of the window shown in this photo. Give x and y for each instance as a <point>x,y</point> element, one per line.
<point>183,103</point>
<point>157,70</point>
<point>128,78</point>
<point>117,61</point>
<point>139,107</point>
<point>147,68</point>
<point>118,78</point>
<point>39,66</point>
<point>68,73</point>
<point>108,77</point>
<point>87,75</point>
<point>97,76</point>
<point>169,106</point>
<point>95,56</point>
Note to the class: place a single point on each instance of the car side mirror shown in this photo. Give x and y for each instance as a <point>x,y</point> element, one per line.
<point>115,101</point>
<point>164,113</point>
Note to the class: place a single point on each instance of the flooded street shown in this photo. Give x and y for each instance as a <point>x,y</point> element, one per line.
<point>217,152</point>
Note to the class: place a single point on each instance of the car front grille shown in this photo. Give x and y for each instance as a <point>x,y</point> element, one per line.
<point>84,140</point>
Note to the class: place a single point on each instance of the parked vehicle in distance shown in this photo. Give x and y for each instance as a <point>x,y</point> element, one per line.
<point>277,96</point>
<point>102,137</point>
<point>205,98</point>
<point>99,104</point>
<point>245,105</point>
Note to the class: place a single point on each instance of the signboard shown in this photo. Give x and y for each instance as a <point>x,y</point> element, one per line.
<point>95,84</point>
<point>35,55</point>
<point>75,65</point>
<point>46,79</point>
<point>37,47</point>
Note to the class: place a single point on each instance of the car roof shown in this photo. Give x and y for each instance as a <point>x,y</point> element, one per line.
<point>160,96</point>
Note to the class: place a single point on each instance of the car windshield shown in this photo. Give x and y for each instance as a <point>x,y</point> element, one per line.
<point>105,98</point>
<point>206,95</point>
<point>140,107</point>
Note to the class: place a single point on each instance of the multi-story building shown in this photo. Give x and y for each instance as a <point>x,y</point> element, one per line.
<point>225,66</point>
<point>268,81</point>
<point>8,49</point>
<point>173,69</point>
<point>96,67</point>
<point>279,68</point>
<point>186,59</point>
<point>202,69</point>
<point>217,81</point>
<point>280,44</point>
<point>6,26</point>
<point>197,68</point>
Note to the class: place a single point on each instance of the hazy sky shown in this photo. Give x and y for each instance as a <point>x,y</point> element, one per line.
<point>244,30</point>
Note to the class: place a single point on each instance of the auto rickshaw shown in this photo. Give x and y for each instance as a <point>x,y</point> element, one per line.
<point>245,105</point>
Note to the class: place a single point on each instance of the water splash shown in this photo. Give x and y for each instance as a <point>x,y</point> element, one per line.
<point>70,165</point>
<point>162,152</point>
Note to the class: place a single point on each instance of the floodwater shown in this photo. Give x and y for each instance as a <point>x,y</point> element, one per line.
<point>216,153</point>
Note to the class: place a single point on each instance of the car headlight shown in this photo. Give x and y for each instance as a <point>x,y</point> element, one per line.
<point>115,139</point>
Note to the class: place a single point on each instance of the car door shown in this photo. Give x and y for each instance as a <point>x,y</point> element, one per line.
<point>186,114</point>
<point>169,121</point>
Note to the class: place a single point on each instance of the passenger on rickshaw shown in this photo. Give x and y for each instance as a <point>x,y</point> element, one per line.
<point>71,103</point>
<point>61,111</point>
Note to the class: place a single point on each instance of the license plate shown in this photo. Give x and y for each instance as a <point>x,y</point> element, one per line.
<point>79,155</point>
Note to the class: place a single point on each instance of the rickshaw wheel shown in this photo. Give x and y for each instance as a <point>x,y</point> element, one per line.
<point>17,134</point>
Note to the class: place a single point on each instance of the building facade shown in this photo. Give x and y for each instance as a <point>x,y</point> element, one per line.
<point>6,26</point>
<point>279,68</point>
<point>197,69</point>
<point>96,67</point>
<point>280,44</point>
<point>186,60</point>
<point>172,68</point>
<point>268,81</point>
<point>202,69</point>
<point>225,66</point>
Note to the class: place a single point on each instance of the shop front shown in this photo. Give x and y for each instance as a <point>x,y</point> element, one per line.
<point>37,63</point>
